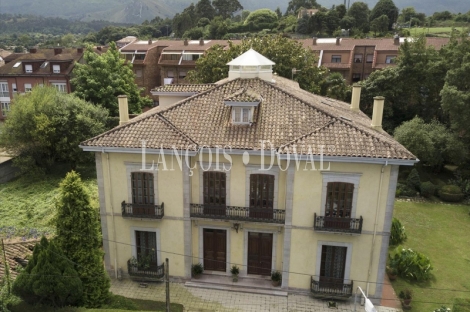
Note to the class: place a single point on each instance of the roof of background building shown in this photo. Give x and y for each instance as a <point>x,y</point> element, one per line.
<point>183,88</point>
<point>287,117</point>
<point>16,253</point>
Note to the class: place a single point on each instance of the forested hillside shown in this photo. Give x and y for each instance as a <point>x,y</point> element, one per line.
<point>137,11</point>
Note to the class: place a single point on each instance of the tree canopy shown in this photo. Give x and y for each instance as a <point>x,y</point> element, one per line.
<point>46,126</point>
<point>295,5</point>
<point>286,53</point>
<point>360,12</point>
<point>262,16</point>
<point>385,7</point>
<point>226,8</point>
<point>79,237</point>
<point>102,78</point>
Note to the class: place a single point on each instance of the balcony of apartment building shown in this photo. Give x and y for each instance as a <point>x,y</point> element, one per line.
<point>142,210</point>
<point>236,213</point>
<point>330,288</point>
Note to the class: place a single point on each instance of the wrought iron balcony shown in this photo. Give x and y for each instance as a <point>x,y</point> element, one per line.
<point>343,225</point>
<point>331,289</point>
<point>148,272</point>
<point>142,211</point>
<point>238,213</point>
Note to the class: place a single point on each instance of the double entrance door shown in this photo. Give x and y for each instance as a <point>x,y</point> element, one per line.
<point>260,251</point>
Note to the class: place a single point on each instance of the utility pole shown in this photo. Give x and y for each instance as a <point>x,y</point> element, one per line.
<point>167,282</point>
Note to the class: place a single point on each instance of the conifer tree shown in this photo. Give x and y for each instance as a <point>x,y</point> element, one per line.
<point>79,237</point>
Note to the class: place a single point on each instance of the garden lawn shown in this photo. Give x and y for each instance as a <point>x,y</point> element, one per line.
<point>27,205</point>
<point>440,31</point>
<point>441,232</point>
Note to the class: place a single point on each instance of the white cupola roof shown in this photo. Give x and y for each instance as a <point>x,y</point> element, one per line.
<point>251,64</point>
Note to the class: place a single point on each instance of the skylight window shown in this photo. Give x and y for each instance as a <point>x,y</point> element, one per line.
<point>43,65</point>
<point>17,65</point>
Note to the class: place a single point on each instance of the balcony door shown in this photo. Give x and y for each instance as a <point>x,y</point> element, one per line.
<point>143,194</point>
<point>215,193</point>
<point>260,253</point>
<point>333,263</point>
<point>261,196</point>
<point>146,245</point>
<point>338,207</point>
<point>215,250</point>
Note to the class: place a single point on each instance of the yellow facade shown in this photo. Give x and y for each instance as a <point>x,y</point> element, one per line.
<point>296,245</point>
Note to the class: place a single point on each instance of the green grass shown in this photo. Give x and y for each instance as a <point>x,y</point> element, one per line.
<point>441,233</point>
<point>115,304</point>
<point>440,31</point>
<point>27,204</point>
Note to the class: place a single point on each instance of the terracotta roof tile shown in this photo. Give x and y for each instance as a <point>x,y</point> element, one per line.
<point>244,95</point>
<point>16,253</point>
<point>190,88</point>
<point>286,116</point>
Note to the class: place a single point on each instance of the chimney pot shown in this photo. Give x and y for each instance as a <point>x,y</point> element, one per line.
<point>356,97</point>
<point>377,114</point>
<point>150,41</point>
<point>338,40</point>
<point>201,41</point>
<point>314,40</point>
<point>186,42</point>
<point>123,109</point>
<point>33,50</point>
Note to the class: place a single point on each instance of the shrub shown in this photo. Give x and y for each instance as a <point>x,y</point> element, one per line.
<point>413,180</point>
<point>276,276</point>
<point>197,269</point>
<point>405,190</point>
<point>442,309</point>
<point>406,294</point>
<point>461,305</point>
<point>462,180</point>
<point>427,189</point>
<point>411,264</point>
<point>397,233</point>
<point>235,270</point>
<point>451,193</point>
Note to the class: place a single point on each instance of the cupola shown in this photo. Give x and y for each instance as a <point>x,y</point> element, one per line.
<point>251,64</point>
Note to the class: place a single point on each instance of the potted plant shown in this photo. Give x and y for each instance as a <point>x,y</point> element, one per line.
<point>235,271</point>
<point>392,273</point>
<point>276,277</point>
<point>197,270</point>
<point>406,295</point>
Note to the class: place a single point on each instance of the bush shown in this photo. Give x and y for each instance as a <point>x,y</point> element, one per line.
<point>461,305</point>
<point>442,309</point>
<point>405,190</point>
<point>427,189</point>
<point>462,180</point>
<point>413,180</point>
<point>276,276</point>
<point>411,264</point>
<point>397,233</point>
<point>197,269</point>
<point>451,193</point>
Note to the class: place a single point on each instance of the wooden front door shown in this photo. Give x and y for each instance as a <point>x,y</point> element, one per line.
<point>215,250</point>
<point>261,196</point>
<point>260,253</point>
<point>333,262</point>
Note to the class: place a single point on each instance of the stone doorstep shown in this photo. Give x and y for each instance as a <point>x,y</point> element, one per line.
<point>242,289</point>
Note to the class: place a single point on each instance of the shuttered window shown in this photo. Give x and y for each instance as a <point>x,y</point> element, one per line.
<point>214,188</point>
<point>262,191</point>
<point>142,188</point>
<point>339,197</point>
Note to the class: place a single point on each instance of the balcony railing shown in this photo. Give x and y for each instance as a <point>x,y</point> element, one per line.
<point>152,271</point>
<point>142,211</point>
<point>238,213</point>
<point>331,289</point>
<point>330,224</point>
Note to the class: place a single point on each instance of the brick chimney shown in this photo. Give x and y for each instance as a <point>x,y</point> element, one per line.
<point>150,41</point>
<point>356,98</point>
<point>201,41</point>
<point>314,40</point>
<point>338,41</point>
<point>396,40</point>
<point>123,109</point>
<point>186,42</point>
<point>377,114</point>
<point>57,50</point>
<point>33,50</point>
<point>99,48</point>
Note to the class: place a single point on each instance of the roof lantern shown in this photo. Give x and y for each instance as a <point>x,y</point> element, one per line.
<point>251,64</point>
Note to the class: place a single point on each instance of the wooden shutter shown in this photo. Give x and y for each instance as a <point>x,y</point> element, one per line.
<point>142,188</point>
<point>339,198</point>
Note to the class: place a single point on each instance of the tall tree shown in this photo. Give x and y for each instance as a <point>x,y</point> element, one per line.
<point>380,24</point>
<point>294,5</point>
<point>360,12</point>
<point>102,78</point>
<point>205,9</point>
<point>79,237</point>
<point>46,126</point>
<point>341,9</point>
<point>226,8</point>
<point>385,7</point>
<point>212,66</point>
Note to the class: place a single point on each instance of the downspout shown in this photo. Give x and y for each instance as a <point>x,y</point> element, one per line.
<point>375,227</point>
<point>112,214</point>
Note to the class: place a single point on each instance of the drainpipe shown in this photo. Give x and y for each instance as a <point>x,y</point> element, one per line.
<point>112,214</point>
<point>375,227</point>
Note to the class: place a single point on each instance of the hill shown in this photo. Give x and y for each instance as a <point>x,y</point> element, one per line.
<point>137,11</point>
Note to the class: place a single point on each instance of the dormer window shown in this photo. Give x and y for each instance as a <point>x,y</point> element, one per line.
<point>242,115</point>
<point>56,69</point>
<point>28,68</point>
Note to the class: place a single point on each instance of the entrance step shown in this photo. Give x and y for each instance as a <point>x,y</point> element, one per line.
<point>237,288</point>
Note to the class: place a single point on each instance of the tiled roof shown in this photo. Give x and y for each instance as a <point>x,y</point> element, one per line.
<point>15,254</point>
<point>186,88</point>
<point>244,95</point>
<point>287,115</point>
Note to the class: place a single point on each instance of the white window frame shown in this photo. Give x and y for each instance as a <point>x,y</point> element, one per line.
<point>60,86</point>
<point>28,87</point>
<point>137,167</point>
<point>180,76</point>
<point>4,91</point>
<point>337,58</point>
<point>390,59</point>
<point>256,169</point>
<point>56,69</point>
<point>242,110</point>
<point>347,265</point>
<point>28,68</point>
<point>353,178</point>
<point>5,107</point>
<point>146,229</point>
